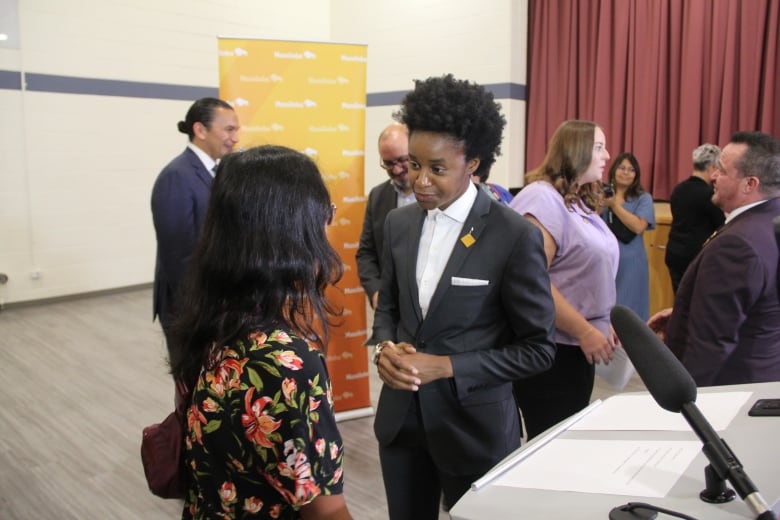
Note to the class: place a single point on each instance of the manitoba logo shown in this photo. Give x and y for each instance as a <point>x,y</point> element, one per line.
<point>288,55</point>
<point>306,103</point>
<point>257,78</point>
<point>345,57</point>
<point>322,81</point>
<point>238,51</point>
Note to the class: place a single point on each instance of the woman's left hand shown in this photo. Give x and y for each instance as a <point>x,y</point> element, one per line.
<point>596,346</point>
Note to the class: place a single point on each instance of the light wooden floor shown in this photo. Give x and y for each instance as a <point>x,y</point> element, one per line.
<point>79,380</point>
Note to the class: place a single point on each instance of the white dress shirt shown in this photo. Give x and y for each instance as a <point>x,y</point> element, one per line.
<point>208,162</point>
<point>741,209</point>
<point>440,232</point>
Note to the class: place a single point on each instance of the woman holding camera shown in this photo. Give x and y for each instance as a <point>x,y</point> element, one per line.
<point>628,213</point>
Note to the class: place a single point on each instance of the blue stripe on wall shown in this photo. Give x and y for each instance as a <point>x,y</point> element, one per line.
<point>511,91</point>
<point>11,80</point>
<point>381,99</point>
<point>109,87</point>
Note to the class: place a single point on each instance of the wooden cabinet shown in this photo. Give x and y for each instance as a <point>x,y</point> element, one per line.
<point>661,294</point>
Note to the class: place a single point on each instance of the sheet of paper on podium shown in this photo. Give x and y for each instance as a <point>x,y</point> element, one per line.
<point>618,467</point>
<point>640,412</point>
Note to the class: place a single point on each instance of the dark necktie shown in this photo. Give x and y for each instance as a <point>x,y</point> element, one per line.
<point>713,235</point>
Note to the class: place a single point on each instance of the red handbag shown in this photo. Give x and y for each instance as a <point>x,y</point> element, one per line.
<point>162,450</point>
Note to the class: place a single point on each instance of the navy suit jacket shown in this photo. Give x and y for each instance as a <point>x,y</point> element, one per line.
<point>495,333</point>
<point>180,198</point>
<point>381,200</point>
<point>725,326</point>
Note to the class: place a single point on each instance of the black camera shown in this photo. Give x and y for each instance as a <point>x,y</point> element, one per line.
<point>607,190</point>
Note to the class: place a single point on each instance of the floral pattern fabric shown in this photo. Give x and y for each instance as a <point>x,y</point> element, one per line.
<point>261,435</point>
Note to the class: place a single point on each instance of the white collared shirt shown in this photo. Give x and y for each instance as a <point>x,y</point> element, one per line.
<point>205,158</point>
<point>440,233</point>
<point>742,209</point>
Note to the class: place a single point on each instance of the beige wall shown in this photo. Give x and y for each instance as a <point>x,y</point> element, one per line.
<point>76,170</point>
<point>415,39</point>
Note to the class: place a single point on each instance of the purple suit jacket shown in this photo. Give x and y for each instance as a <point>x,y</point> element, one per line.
<point>725,326</point>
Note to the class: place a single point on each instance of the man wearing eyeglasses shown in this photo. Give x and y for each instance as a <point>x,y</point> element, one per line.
<point>393,193</point>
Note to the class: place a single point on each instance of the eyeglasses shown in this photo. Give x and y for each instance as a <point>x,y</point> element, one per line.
<point>390,165</point>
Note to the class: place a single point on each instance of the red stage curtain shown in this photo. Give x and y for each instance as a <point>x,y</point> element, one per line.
<point>659,76</point>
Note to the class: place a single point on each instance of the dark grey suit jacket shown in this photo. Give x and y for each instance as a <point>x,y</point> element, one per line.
<point>494,333</point>
<point>180,197</point>
<point>381,200</point>
<point>725,326</point>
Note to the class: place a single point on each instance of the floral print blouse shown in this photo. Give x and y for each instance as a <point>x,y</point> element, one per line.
<point>261,437</point>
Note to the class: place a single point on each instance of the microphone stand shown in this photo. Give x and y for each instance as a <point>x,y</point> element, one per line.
<point>723,465</point>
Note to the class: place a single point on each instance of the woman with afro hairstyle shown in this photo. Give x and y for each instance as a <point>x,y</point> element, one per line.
<point>464,307</point>
<point>560,198</point>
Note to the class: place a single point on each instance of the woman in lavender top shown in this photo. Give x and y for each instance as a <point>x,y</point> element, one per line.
<point>560,197</point>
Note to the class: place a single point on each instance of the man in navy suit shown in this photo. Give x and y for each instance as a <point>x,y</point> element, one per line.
<point>465,307</point>
<point>394,193</point>
<point>181,195</point>
<point>725,323</point>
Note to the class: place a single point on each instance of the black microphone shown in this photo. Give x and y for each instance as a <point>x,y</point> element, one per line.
<point>665,377</point>
<point>673,389</point>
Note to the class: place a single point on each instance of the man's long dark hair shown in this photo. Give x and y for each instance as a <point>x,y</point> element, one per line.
<point>201,111</point>
<point>262,260</point>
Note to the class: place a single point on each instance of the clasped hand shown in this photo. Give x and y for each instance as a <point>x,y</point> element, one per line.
<point>400,366</point>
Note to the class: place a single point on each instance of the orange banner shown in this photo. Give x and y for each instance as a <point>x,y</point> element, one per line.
<point>312,97</point>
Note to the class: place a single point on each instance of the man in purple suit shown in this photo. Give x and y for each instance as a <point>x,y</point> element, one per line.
<point>725,324</point>
<point>181,195</point>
